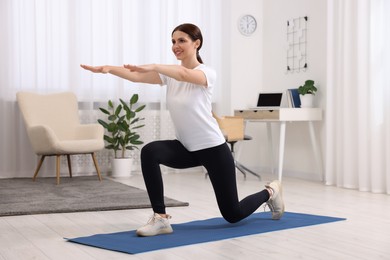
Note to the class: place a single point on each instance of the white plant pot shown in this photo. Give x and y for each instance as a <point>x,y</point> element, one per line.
<point>121,167</point>
<point>307,100</point>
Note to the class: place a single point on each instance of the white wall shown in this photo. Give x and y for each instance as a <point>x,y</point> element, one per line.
<point>258,63</point>
<point>246,55</point>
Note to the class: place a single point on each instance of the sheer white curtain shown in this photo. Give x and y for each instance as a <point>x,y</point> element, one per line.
<point>42,43</point>
<point>358,95</point>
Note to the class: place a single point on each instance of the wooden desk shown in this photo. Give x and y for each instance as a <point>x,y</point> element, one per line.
<point>282,116</point>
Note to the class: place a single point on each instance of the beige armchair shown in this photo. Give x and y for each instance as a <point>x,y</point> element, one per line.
<point>54,129</point>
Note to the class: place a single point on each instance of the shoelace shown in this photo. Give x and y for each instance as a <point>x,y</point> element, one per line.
<point>155,218</point>
<point>152,219</point>
<point>269,206</point>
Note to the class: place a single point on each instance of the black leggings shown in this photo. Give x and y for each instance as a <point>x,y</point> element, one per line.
<point>219,164</point>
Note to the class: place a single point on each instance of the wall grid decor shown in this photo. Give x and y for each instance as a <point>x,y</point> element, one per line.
<point>296,42</point>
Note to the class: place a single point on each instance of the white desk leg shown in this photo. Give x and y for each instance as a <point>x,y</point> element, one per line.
<point>271,147</point>
<point>281,147</point>
<point>316,149</point>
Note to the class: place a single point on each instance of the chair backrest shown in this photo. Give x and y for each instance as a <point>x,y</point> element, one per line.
<point>231,126</point>
<point>59,111</point>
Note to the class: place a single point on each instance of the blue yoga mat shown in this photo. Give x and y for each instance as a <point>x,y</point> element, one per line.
<point>201,231</point>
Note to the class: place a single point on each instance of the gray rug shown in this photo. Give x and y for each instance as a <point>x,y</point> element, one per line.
<point>22,196</point>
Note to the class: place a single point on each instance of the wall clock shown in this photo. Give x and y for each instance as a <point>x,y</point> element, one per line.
<point>247,24</point>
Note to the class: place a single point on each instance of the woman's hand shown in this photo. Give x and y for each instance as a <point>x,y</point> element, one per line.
<point>96,69</point>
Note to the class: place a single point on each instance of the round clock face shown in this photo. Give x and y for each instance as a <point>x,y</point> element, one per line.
<point>247,25</point>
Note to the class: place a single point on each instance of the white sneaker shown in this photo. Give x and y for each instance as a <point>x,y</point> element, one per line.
<point>275,202</point>
<point>156,225</point>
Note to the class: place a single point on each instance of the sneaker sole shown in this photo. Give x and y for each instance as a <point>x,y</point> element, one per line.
<point>160,232</point>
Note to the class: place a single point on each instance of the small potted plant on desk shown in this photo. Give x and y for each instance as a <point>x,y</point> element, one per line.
<point>306,93</point>
<point>122,121</point>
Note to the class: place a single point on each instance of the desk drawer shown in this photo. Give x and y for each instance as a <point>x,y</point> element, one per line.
<point>258,114</point>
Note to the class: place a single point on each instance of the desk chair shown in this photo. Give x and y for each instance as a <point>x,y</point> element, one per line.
<point>232,128</point>
<point>53,127</point>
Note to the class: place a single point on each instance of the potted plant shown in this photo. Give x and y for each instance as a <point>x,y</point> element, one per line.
<point>306,93</point>
<point>122,121</point>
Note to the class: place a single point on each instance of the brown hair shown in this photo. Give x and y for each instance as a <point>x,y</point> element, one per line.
<point>195,34</point>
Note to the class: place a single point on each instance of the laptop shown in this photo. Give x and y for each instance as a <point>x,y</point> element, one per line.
<point>269,101</point>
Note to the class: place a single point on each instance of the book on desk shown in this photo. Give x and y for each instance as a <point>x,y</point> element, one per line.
<point>293,98</point>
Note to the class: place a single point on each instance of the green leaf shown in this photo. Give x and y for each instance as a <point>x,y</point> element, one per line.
<point>134,99</point>
<point>123,126</point>
<point>140,108</point>
<point>112,117</point>
<point>109,139</point>
<point>131,147</point>
<point>135,136</point>
<point>135,121</point>
<point>128,112</point>
<point>137,142</point>
<point>121,120</point>
<point>118,110</point>
<point>112,127</point>
<point>104,111</point>
<point>104,124</point>
<point>110,147</point>
<point>309,82</point>
<point>125,106</point>
<point>138,126</point>
<point>131,114</point>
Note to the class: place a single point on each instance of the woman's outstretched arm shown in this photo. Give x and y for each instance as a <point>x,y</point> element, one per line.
<point>150,77</point>
<point>177,72</point>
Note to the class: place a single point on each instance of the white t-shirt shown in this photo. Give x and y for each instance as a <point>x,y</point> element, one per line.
<point>190,109</point>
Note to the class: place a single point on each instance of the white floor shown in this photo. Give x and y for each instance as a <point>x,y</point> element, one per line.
<point>365,234</point>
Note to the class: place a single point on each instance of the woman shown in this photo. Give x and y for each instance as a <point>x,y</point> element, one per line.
<point>199,139</point>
